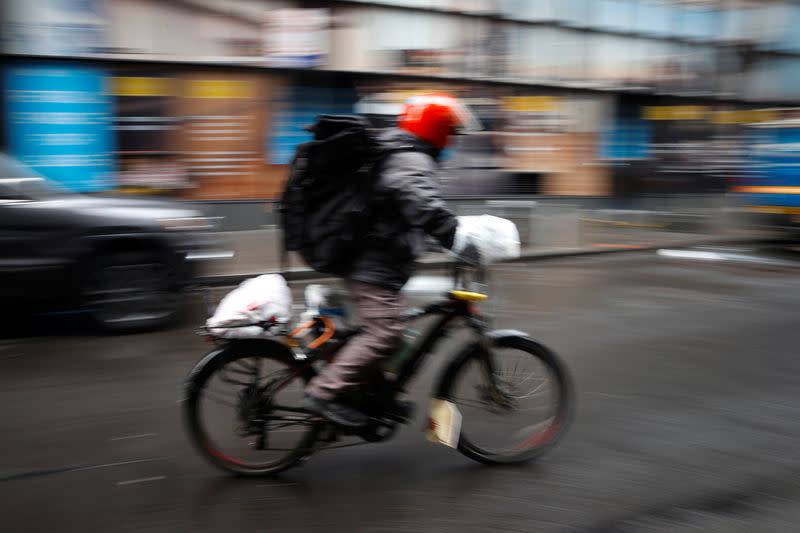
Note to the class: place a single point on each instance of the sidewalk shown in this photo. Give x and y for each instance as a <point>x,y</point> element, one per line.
<point>257,251</point>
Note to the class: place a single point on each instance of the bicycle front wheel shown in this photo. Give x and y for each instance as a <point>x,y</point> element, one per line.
<point>515,400</point>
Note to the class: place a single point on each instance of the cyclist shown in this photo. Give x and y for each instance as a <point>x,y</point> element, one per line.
<point>406,207</point>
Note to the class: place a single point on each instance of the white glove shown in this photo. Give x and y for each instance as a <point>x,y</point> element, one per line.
<point>464,245</point>
<point>493,238</point>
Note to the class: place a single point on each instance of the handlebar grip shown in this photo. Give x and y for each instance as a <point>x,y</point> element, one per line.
<point>460,268</point>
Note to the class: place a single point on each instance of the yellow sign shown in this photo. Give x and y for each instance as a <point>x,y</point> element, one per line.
<point>744,116</point>
<point>531,104</point>
<point>676,112</point>
<point>767,189</point>
<point>142,86</point>
<point>775,210</point>
<point>699,112</point>
<point>219,89</point>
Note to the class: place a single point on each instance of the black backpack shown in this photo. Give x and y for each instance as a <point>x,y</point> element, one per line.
<point>325,206</point>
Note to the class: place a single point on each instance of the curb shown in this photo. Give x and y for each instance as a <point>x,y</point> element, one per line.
<point>306,274</point>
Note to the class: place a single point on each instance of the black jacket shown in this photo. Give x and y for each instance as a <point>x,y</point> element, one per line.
<point>406,206</point>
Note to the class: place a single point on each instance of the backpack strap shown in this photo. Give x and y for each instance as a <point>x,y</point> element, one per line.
<point>284,259</point>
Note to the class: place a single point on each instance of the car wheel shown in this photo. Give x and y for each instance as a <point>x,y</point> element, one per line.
<point>130,291</point>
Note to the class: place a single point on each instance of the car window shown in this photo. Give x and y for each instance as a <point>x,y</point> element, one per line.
<point>18,182</point>
<point>7,193</point>
<point>11,168</point>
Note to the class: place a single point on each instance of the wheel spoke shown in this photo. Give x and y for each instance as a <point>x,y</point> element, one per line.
<point>233,370</point>
<point>533,428</point>
<point>532,393</point>
<point>242,363</point>
<point>218,397</point>
<point>291,423</point>
<point>226,379</point>
<point>514,411</point>
<point>478,404</point>
<point>266,429</point>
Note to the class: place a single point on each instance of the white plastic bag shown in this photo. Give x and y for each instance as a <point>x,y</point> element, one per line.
<point>497,239</point>
<point>255,300</point>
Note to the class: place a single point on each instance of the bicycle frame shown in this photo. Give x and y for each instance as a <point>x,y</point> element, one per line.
<point>447,312</point>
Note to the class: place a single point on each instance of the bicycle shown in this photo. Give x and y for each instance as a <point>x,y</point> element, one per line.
<point>267,402</point>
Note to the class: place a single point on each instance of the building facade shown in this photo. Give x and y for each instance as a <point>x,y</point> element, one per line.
<point>207,99</point>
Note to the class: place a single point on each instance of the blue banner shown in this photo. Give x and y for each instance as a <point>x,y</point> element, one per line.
<point>626,138</point>
<point>300,109</point>
<point>775,155</point>
<point>59,122</point>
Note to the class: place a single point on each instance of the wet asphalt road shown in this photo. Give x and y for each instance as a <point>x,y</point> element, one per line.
<point>688,389</point>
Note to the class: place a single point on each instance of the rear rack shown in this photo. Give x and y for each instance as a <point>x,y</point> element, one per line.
<point>274,328</point>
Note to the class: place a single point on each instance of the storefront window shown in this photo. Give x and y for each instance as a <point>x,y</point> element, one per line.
<point>611,58</point>
<point>654,17</point>
<point>696,22</point>
<point>617,15</point>
<point>465,6</point>
<point>574,12</point>
<point>534,53</point>
<point>738,23</point>
<point>776,78</point>
<point>781,22</point>
<point>531,11</point>
<point>420,42</point>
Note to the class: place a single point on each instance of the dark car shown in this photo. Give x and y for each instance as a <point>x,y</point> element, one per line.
<point>121,261</point>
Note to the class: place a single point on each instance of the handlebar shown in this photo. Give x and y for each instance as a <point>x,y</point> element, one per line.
<point>461,271</point>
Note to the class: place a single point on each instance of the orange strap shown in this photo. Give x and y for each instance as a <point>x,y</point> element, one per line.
<point>330,329</point>
<point>301,328</point>
<point>327,334</point>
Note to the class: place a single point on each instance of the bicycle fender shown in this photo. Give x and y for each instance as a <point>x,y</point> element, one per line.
<point>495,338</point>
<point>497,335</point>
<point>219,355</point>
<point>200,366</point>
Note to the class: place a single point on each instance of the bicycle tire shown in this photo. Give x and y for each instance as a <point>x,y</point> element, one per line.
<point>555,431</point>
<point>200,437</point>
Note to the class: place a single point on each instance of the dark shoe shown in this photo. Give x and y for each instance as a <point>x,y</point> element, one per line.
<point>401,411</point>
<point>336,412</point>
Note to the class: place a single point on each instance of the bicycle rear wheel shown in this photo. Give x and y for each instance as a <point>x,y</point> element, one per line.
<point>244,411</point>
<point>514,409</point>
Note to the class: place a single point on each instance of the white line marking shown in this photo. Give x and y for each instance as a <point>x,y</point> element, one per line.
<point>140,480</point>
<point>127,437</point>
<point>121,463</point>
<point>691,254</point>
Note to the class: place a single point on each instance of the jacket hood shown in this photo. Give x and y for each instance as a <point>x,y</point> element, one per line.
<point>397,139</point>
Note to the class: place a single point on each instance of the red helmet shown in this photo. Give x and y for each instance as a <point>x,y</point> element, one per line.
<point>434,117</point>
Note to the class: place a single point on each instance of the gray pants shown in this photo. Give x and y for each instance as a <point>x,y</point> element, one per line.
<point>379,311</point>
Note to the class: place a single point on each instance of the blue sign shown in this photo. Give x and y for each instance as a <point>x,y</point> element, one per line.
<point>301,108</point>
<point>774,154</point>
<point>59,122</point>
<point>626,138</point>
